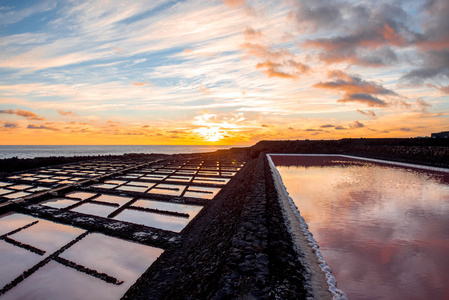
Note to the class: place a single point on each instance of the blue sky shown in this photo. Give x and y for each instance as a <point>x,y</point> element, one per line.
<point>229,72</point>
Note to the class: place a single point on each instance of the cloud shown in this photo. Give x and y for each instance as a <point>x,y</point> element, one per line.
<point>316,15</point>
<point>368,113</point>
<point>234,3</point>
<point>355,89</point>
<point>433,42</point>
<point>31,126</point>
<point>422,105</point>
<point>340,127</point>
<point>11,125</point>
<point>444,89</point>
<point>9,16</point>
<point>327,126</point>
<point>371,30</point>
<point>277,62</point>
<point>364,99</point>
<point>139,83</point>
<point>251,33</point>
<point>23,113</point>
<point>285,69</point>
<point>204,90</point>
<point>435,66</point>
<point>66,113</point>
<point>356,124</point>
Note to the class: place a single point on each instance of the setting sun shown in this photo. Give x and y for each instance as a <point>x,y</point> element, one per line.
<point>210,134</point>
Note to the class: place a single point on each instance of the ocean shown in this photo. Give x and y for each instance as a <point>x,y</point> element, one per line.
<point>32,151</point>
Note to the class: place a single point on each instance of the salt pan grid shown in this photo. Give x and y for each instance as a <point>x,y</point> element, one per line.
<point>46,260</point>
<point>160,197</point>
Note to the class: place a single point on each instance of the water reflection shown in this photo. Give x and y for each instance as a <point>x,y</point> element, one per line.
<point>95,209</point>
<point>383,229</point>
<point>191,210</point>
<point>14,262</point>
<point>47,236</point>
<point>121,259</point>
<point>55,281</point>
<point>161,221</point>
<point>124,260</point>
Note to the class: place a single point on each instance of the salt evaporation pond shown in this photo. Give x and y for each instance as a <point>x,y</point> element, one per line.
<point>382,228</point>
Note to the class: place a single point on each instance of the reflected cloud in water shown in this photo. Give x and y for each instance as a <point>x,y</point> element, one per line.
<point>383,229</point>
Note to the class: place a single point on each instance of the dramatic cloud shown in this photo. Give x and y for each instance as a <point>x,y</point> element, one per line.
<point>257,67</point>
<point>433,42</point>
<point>371,30</point>
<point>356,89</point>
<point>435,66</point>
<point>23,113</point>
<point>315,15</point>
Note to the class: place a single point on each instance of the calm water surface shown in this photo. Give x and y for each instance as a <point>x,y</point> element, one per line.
<point>383,229</point>
<point>32,151</point>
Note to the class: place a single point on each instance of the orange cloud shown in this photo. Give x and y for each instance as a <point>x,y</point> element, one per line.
<point>234,3</point>
<point>392,36</point>
<point>23,113</point>
<point>263,51</point>
<point>445,89</point>
<point>204,90</point>
<point>278,62</point>
<point>368,113</point>
<point>274,69</point>
<point>251,33</point>
<point>66,113</point>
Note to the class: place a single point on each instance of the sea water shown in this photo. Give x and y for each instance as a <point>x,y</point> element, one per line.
<point>32,151</point>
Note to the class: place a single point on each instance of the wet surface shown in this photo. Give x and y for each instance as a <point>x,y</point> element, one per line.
<point>383,229</point>
<point>112,256</point>
<point>59,203</point>
<point>191,210</point>
<point>51,250</point>
<point>165,222</point>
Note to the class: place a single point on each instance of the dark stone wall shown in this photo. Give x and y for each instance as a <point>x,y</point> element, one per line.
<point>432,152</point>
<point>237,248</point>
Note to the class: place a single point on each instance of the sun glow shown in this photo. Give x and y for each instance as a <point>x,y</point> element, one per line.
<point>210,134</point>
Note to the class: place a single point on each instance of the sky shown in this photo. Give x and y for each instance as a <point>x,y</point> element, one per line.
<point>228,72</point>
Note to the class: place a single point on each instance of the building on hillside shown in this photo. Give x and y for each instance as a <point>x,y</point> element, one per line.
<point>440,135</point>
